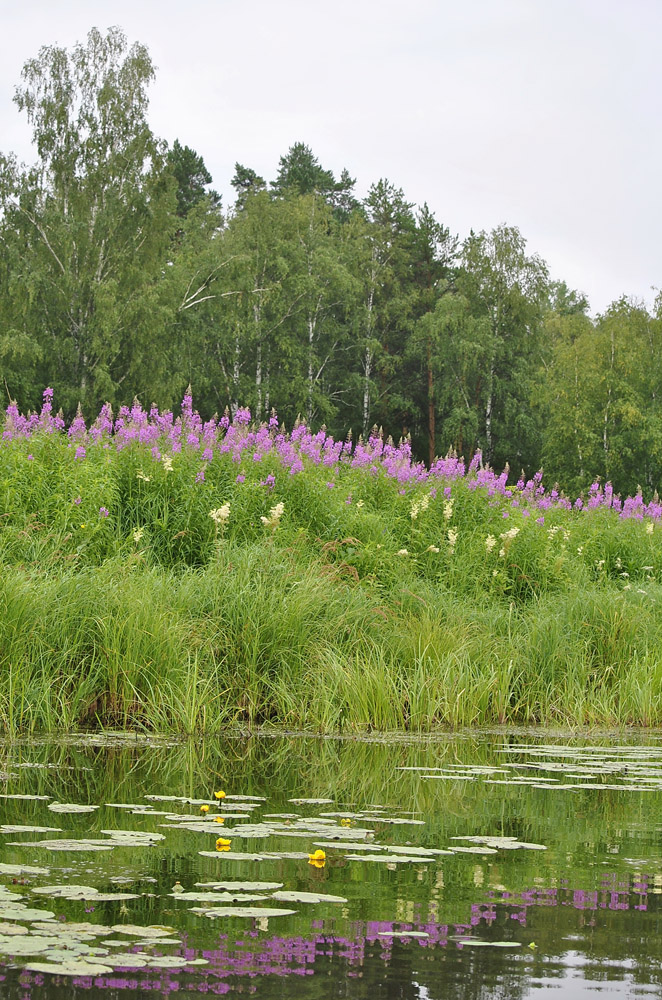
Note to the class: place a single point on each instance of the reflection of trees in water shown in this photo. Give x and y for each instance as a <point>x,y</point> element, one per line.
<point>572,903</point>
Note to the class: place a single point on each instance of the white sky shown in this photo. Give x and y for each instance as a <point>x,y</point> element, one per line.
<point>544,114</point>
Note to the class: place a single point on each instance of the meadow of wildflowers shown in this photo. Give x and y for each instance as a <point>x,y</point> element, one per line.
<point>164,571</point>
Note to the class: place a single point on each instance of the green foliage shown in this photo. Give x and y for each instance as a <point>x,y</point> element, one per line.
<point>359,606</point>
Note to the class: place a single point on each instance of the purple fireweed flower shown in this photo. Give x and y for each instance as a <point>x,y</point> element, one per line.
<point>330,485</point>
<point>30,458</point>
<point>80,452</point>
<point>242,416</point>
<point>447,491</point>
<point>103,512</point>
<point>78,500</point>
<point>540,520</point>
<point>200,477</point>
<point>269,482</point>
<point>257,457</point>
<point>208,454</point>
<point>240,478</point>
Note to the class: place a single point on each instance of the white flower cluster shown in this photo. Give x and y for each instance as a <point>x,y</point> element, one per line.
<point>507,538</point>
<point>555,530</point>
<point>167,462</point>
<point>418,506</point>
<point>452,537</point>
<point>221,515</point>
<point>275,515</point>
<point>448,509</point>
<point>141,475</point>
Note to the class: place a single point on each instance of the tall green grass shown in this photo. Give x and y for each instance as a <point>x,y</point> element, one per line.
<point>349,614</point>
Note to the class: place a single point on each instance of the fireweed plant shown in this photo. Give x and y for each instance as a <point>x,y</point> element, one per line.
<point>179,574</point>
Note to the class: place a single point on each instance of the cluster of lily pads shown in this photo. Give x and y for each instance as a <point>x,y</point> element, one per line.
<point>563,767</point>
<point>39,940</point>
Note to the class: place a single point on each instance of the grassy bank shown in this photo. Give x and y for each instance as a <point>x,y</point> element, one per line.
<point>171,575</point>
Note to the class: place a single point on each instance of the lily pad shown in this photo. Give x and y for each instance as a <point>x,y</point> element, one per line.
<point>395,858</point>
<point>150,931</point>
<point>29,798</point>
<point>15,828</point>
<point>241,886</point>
<point>79,968</point>
<point>235,855</point>
<point>307,897</point>
<point>70,807</point>
<point>240,911</point>
<point>23,870</point>
<point>17,911</point>
<point>311,802</point>
<point>63,891</point>
<point>217,897</point>
<point>65,845</point>
<point>404,934</point>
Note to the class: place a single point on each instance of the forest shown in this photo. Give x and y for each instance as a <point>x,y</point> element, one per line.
<point>123,275</point>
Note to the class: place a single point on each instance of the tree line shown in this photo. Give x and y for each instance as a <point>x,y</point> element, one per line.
<point>122,275</point>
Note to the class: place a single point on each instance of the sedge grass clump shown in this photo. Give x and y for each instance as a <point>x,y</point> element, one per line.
<point>172,573</point>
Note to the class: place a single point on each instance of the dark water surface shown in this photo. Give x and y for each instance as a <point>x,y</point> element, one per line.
<point>579,918</point>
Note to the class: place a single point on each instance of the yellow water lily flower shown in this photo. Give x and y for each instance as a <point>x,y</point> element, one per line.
<point>345,822</point>
<point>318,858</point>
<point>219,819</point>
<point>222,844</point>
<point>219,795</point>
<point>204,809</point>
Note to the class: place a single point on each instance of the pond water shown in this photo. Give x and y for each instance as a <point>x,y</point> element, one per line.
<point>469,865</point>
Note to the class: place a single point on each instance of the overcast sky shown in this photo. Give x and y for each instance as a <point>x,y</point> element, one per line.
<point>543,114</point>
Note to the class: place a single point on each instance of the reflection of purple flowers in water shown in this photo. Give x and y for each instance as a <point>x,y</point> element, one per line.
<point>253,954</point>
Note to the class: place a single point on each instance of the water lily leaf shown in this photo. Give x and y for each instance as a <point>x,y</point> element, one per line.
<point>400,820</point>
<point>129,960</point>
<point>478,849</point>
<point>245,798</point>
<point>475,943</point>
<point>29,944</point>
<point>404,934</point>
<point>72,927</point>
<point>17,911</point>
<point>506,843</point>
<point>286,855</point>
<point>240,911</point>
<point>335,845</point>
<point>8,929</point>
<point>133,835</point>
<point>242,886</point>
<point>311,802</point>
<point>65,845</point>
<point>281,816</point>
<point>129,805</point>
<point>70,807</point>
<point>7,795</point>
<point>23,870</point>
<point>15,828</point>
<point>307,897</point>
<point>150,931</point>
<point>72,968</point>
<point>399,858</point>
<point>235,855</point>
<point>62,891</point>
<point>217,897</point>
<point>7,896</point>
